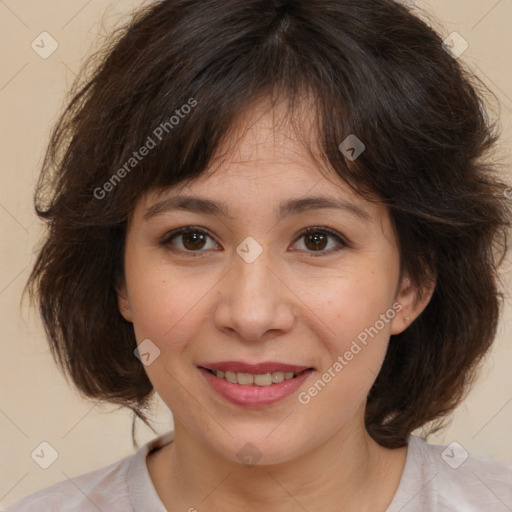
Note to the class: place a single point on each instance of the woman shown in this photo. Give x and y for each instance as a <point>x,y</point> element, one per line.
<point>279,217</point>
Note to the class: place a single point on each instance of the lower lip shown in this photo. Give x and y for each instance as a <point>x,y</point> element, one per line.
<point>253,395</point>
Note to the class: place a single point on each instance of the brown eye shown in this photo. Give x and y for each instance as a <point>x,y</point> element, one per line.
<point>193,240</point>
<point>190,239</point>
<point>317,240</point>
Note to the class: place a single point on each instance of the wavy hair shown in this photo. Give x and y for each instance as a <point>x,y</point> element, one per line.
<point>373,68</point>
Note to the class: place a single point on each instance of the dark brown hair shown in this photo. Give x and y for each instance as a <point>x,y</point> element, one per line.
<point>374,69</point>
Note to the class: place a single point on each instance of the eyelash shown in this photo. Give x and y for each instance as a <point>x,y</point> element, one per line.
<point>166,241</point>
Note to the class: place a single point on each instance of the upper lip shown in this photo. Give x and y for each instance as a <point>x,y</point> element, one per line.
<point>254,368</point>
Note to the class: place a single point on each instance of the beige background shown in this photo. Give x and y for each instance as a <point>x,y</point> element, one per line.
<point>36,403</point>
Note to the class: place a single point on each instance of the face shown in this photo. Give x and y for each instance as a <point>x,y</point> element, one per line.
<point>245,284</point>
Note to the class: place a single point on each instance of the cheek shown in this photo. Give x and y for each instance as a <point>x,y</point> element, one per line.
<point>167,304</point>
<point>357,315</point>
<point>168,310</point>
<point>354,302</point>
<point>357,311</point>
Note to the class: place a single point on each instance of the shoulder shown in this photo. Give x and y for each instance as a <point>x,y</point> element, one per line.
<point>448,478</point>
<point>100,489</point>
<point>123,486</point>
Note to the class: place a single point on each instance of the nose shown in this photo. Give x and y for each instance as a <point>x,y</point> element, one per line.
<point>255,302</point>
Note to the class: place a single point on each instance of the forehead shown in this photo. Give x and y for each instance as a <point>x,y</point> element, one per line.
<point>270,133</point>
<point>265,143</point>
<point>269,155</point>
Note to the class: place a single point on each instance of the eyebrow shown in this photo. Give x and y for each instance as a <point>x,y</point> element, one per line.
<point>286,208</point>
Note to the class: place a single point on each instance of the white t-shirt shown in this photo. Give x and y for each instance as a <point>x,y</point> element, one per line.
<point>436,478</point>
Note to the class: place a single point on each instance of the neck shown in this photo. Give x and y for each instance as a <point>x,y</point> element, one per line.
<point>348,472</point>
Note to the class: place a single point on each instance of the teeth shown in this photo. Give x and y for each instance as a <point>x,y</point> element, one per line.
<point>277,377</point>
<point>261,379</point>
<point>244,378</point>
<point>230,377</point>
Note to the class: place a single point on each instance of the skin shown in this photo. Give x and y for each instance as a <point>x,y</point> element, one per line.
<point>289,306</point>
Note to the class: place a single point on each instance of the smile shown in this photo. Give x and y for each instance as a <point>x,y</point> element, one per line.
<point>260,379</point>
<point>254,389</point>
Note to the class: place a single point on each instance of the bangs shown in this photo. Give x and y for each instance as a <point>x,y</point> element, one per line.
<point>180,105</point>
<point>370,93</point>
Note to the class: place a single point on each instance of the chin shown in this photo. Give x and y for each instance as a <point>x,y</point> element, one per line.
<point>261,448</point>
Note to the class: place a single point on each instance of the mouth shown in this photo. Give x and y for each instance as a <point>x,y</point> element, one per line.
<point>256,379</point>
<point>256,385</point>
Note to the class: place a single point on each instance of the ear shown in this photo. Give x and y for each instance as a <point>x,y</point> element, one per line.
<point>122,301</point>
<point>413,301</point>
